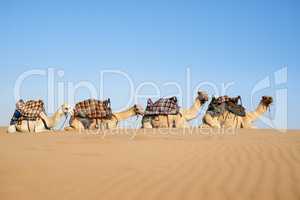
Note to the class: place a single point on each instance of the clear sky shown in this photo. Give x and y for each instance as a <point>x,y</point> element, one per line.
<point>219,41</point>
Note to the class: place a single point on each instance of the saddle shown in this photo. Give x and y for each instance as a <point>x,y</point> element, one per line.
<point>93,109</point>
<point>216,107</point>
<point>234,107</point>
<point>163,106</point>
<point>221,104</point>
<point>31,110</point>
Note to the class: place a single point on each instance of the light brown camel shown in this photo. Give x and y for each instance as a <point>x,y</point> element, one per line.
<point>135,110</point>
<point>180,120</point>
<point>230,120</point>
<point>43,123</point>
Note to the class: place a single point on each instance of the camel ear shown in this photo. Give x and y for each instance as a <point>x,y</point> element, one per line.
<point>263,98</point>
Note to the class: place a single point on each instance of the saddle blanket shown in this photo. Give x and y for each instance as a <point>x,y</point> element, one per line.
<point>163,106</point>
<point>93,109</point>
<point>31,109</point>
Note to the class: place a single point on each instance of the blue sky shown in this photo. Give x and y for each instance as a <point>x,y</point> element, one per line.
<point>219,41</point>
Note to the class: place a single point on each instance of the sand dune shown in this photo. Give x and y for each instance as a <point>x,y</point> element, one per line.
<point>250,164</point>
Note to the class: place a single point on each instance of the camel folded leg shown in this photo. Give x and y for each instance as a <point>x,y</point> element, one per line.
<point>146,122</point>
<point>11,129</point>
<point>210,121</point>
<point>75,125</point>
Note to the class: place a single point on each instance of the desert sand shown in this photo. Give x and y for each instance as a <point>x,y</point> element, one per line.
<point>247,164</point>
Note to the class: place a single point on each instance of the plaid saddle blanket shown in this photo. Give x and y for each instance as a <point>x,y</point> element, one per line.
<point>31,109</point>
<point>163,106</point>
<point>93,109</point>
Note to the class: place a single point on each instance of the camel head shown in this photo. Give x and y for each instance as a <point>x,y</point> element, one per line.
<point>202,96</point>
<point>266,101</point>
<point>65,109</point>
<point>138,110</point>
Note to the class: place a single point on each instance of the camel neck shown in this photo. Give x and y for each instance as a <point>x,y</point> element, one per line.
<point>259,111</point>
<point>192,112</point>
<point>54,119</point>
<point>125,114</point>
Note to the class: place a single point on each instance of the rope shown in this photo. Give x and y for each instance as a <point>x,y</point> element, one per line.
<point>66,117</point>
<point>269,113</point>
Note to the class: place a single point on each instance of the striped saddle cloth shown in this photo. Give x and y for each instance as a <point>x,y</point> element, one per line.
<point>31,110</point>
<point>93,109</point>
<point>163,106</point>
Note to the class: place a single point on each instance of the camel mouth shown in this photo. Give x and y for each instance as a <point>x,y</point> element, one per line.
<point>267,101</point>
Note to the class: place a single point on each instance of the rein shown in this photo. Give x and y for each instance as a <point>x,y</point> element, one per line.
<point>66,117</point>
<point>269,111</point>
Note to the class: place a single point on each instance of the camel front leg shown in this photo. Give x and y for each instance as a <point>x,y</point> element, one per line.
<point>11,129</point>
<point>212,122</point>
<point>180,122</point>
<point>39,127</point>
<point>146,122</point>
<point>75,125</point>
<point>247,124</point>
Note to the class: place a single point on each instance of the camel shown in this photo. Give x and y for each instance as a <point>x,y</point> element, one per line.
<point>180,120</point>
<point>112,123</point>
<point>230,120</point>
<point>43,123</point>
